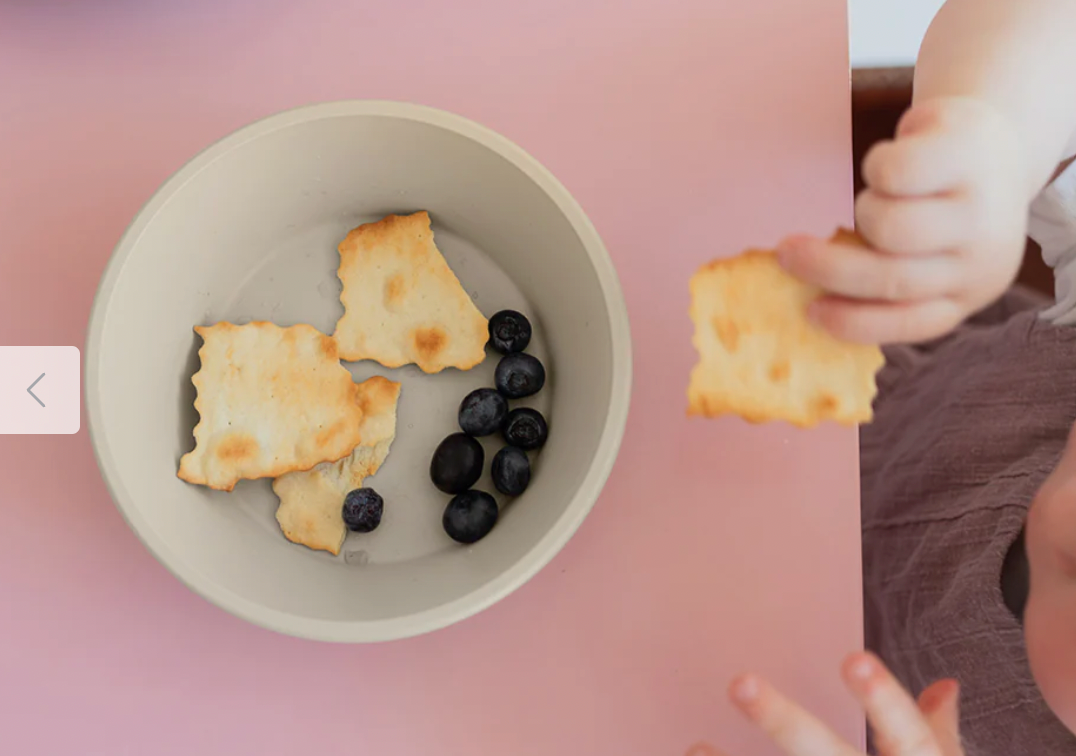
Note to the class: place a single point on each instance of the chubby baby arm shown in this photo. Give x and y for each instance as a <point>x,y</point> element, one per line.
<point>946,202</point>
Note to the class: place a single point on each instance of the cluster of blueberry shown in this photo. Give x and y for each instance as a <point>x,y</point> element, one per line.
<point>459,460</point>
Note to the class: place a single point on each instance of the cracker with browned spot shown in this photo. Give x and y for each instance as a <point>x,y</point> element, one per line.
<point>311,502</point>
<point>762,359</point>
<point>402,302</point>
<point>270,400</point>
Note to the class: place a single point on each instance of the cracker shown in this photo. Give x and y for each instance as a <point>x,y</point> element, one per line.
<point>271,400</point>
<point>402,303</point>
<point>760,357</point>
<point>311,502</point>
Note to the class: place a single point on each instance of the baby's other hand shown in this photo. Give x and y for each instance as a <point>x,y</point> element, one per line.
<point>945,210</point>
<point>902,725</point>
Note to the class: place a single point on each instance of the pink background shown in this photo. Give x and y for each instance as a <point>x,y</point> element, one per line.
<point>687,129</point>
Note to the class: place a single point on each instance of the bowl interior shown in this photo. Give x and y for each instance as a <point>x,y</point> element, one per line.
<point>249,231</point>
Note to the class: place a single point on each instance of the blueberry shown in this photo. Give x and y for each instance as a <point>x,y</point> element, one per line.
<point>519,375</point>
<point>511,471</point>
<point>457,463</point>
<point>482,412</point>
<point>470,516</point>
<point>525,428</point>
<point>363,508</point>
<point>509,332</point>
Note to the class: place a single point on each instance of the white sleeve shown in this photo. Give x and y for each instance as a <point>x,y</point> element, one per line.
<point>1052,224</point>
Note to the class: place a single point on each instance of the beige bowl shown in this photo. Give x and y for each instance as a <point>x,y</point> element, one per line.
<point>248,231</point>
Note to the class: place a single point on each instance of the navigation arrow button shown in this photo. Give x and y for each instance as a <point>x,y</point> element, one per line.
<point>30,390</point>
<point>54,404</point>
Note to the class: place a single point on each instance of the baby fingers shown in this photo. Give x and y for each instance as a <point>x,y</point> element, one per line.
<point>920,165</point>
<point>862,322</point>
<point>900,726</point>
<point>788,725</point>
<point>866,274</point>
<point>919,226</point>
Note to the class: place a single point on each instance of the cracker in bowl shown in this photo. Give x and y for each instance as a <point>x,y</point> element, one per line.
<point>271,400</point>
<point>762,359</point>
<point>311,502</point>
<point>402,303</point>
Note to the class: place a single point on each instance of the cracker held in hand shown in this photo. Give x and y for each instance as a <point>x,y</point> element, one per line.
<point>759,356</point>
<point>271,400</point>
<point>312,502</point>
<point>402,303</point>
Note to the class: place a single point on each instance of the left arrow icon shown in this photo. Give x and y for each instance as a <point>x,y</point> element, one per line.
<point>51,404</point>
<point>30,390</point>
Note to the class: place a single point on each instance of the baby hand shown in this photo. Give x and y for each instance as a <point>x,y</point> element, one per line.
<point>902,726</point>
<point>945,209</point>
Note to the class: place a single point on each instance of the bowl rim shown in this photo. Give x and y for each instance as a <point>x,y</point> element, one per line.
<point>530,562</point>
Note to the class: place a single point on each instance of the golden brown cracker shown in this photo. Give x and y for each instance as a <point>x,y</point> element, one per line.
<point>270,400</point>
<point>762,359</point>
<point>311,502</point>
<point>402,303</point>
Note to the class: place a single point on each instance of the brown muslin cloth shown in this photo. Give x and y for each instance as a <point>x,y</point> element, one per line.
<point>966,429</point>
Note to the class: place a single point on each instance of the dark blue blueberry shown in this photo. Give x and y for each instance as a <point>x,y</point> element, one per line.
<point>525,428</point>
<point>363,508</point>
<point>509,332</point>
<point>511,471</point>
<point>470,516</point>
<point>457,463</point>
<point>519,375</point>
<point>482,412</point>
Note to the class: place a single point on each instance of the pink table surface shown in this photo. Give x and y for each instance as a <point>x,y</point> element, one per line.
<point>687,129</point>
